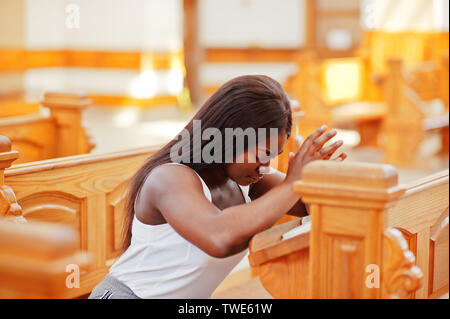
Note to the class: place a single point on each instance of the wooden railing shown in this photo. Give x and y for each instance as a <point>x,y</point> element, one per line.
<point>353,249</point>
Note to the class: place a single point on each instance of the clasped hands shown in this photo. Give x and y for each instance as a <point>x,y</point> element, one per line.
<point>313,149</point>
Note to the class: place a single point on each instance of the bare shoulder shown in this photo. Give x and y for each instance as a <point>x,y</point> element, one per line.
<point>169,178</point>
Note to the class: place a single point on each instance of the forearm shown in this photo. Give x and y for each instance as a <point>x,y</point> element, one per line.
<point>300,209</point>
<point>242,222</point>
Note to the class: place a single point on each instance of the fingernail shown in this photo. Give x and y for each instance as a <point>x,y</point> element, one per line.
<point>323,127</point>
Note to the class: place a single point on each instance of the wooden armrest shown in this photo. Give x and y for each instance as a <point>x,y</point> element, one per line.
<point>269,245</point>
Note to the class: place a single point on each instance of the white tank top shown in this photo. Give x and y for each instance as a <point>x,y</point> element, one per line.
<point>159,263</point>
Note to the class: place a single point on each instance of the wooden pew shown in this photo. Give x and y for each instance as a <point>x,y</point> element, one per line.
<point>36,258</point>
<point>13,103</point>
<point>413,47</point>
<point>84,192</point>
<point>307,86</point>
<point>410,117</point>
<point>61,133</point>
<point>39,260</point>
<point>360,216</point>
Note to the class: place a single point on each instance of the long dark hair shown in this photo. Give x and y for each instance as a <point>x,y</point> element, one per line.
<point>252,101</point>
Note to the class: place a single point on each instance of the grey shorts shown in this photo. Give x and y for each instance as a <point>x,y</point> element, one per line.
<point>111,288</point>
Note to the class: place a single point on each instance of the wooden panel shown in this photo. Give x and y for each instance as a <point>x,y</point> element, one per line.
<point>346,260</point>
<point>287,277</point>
<point>115,205</point>
<point>418,211</point>
<point>428,195</point>
<point>439,254</point>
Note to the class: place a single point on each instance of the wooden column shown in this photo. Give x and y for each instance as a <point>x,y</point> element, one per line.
<point>192,51</point>
<point>311,24</point>
<point>444,81</point>
<point>403,127</point>
<point>348,203</point>
<point>67,109</point>
<point>8,201</point>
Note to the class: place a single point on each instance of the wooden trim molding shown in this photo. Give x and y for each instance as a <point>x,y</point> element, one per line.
<point>112,100</point>
<point>21,60</point>
<point>248,55</point>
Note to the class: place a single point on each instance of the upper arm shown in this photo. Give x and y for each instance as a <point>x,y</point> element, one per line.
<point>177,193</point>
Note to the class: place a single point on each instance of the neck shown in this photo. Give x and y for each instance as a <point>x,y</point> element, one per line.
<point>215,176</point>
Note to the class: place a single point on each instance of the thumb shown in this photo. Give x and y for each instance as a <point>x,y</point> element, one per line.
<point>291,157</point>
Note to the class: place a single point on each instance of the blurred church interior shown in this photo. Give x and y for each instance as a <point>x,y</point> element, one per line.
<point>124,75</point>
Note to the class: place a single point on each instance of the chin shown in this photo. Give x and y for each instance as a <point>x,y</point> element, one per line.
<point>243,181</point>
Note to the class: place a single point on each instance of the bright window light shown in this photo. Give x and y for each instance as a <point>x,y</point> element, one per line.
<point>342,80</point>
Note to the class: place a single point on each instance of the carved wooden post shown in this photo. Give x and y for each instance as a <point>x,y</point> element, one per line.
<point>348,203</point>
<point>8,202</point>
<point>67,109</point>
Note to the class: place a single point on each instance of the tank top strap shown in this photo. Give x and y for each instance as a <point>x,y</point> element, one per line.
<point>206,190</point>
<point>245,190</point>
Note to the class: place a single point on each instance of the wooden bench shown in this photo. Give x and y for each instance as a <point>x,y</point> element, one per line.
<point>36,258</point>
<point>410,115</point>
<point>307,86</point>
<point>12,103</point>
<point>84,192</point>
<point>39,260</point>
<point>360,216</point>
<point>61,133</point>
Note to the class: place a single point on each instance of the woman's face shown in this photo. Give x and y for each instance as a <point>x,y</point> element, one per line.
<point>251,165</point>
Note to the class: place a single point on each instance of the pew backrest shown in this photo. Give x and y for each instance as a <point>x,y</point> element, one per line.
<point>84,192</point>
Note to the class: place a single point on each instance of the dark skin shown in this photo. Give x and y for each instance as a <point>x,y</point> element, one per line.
<point>174,194</point>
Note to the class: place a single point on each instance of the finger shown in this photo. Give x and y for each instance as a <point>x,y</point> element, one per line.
<point>291,157</point>
<point>311,138</point>
<point>320,142</point>
<point>340,158</point>
<point>329,150</point>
